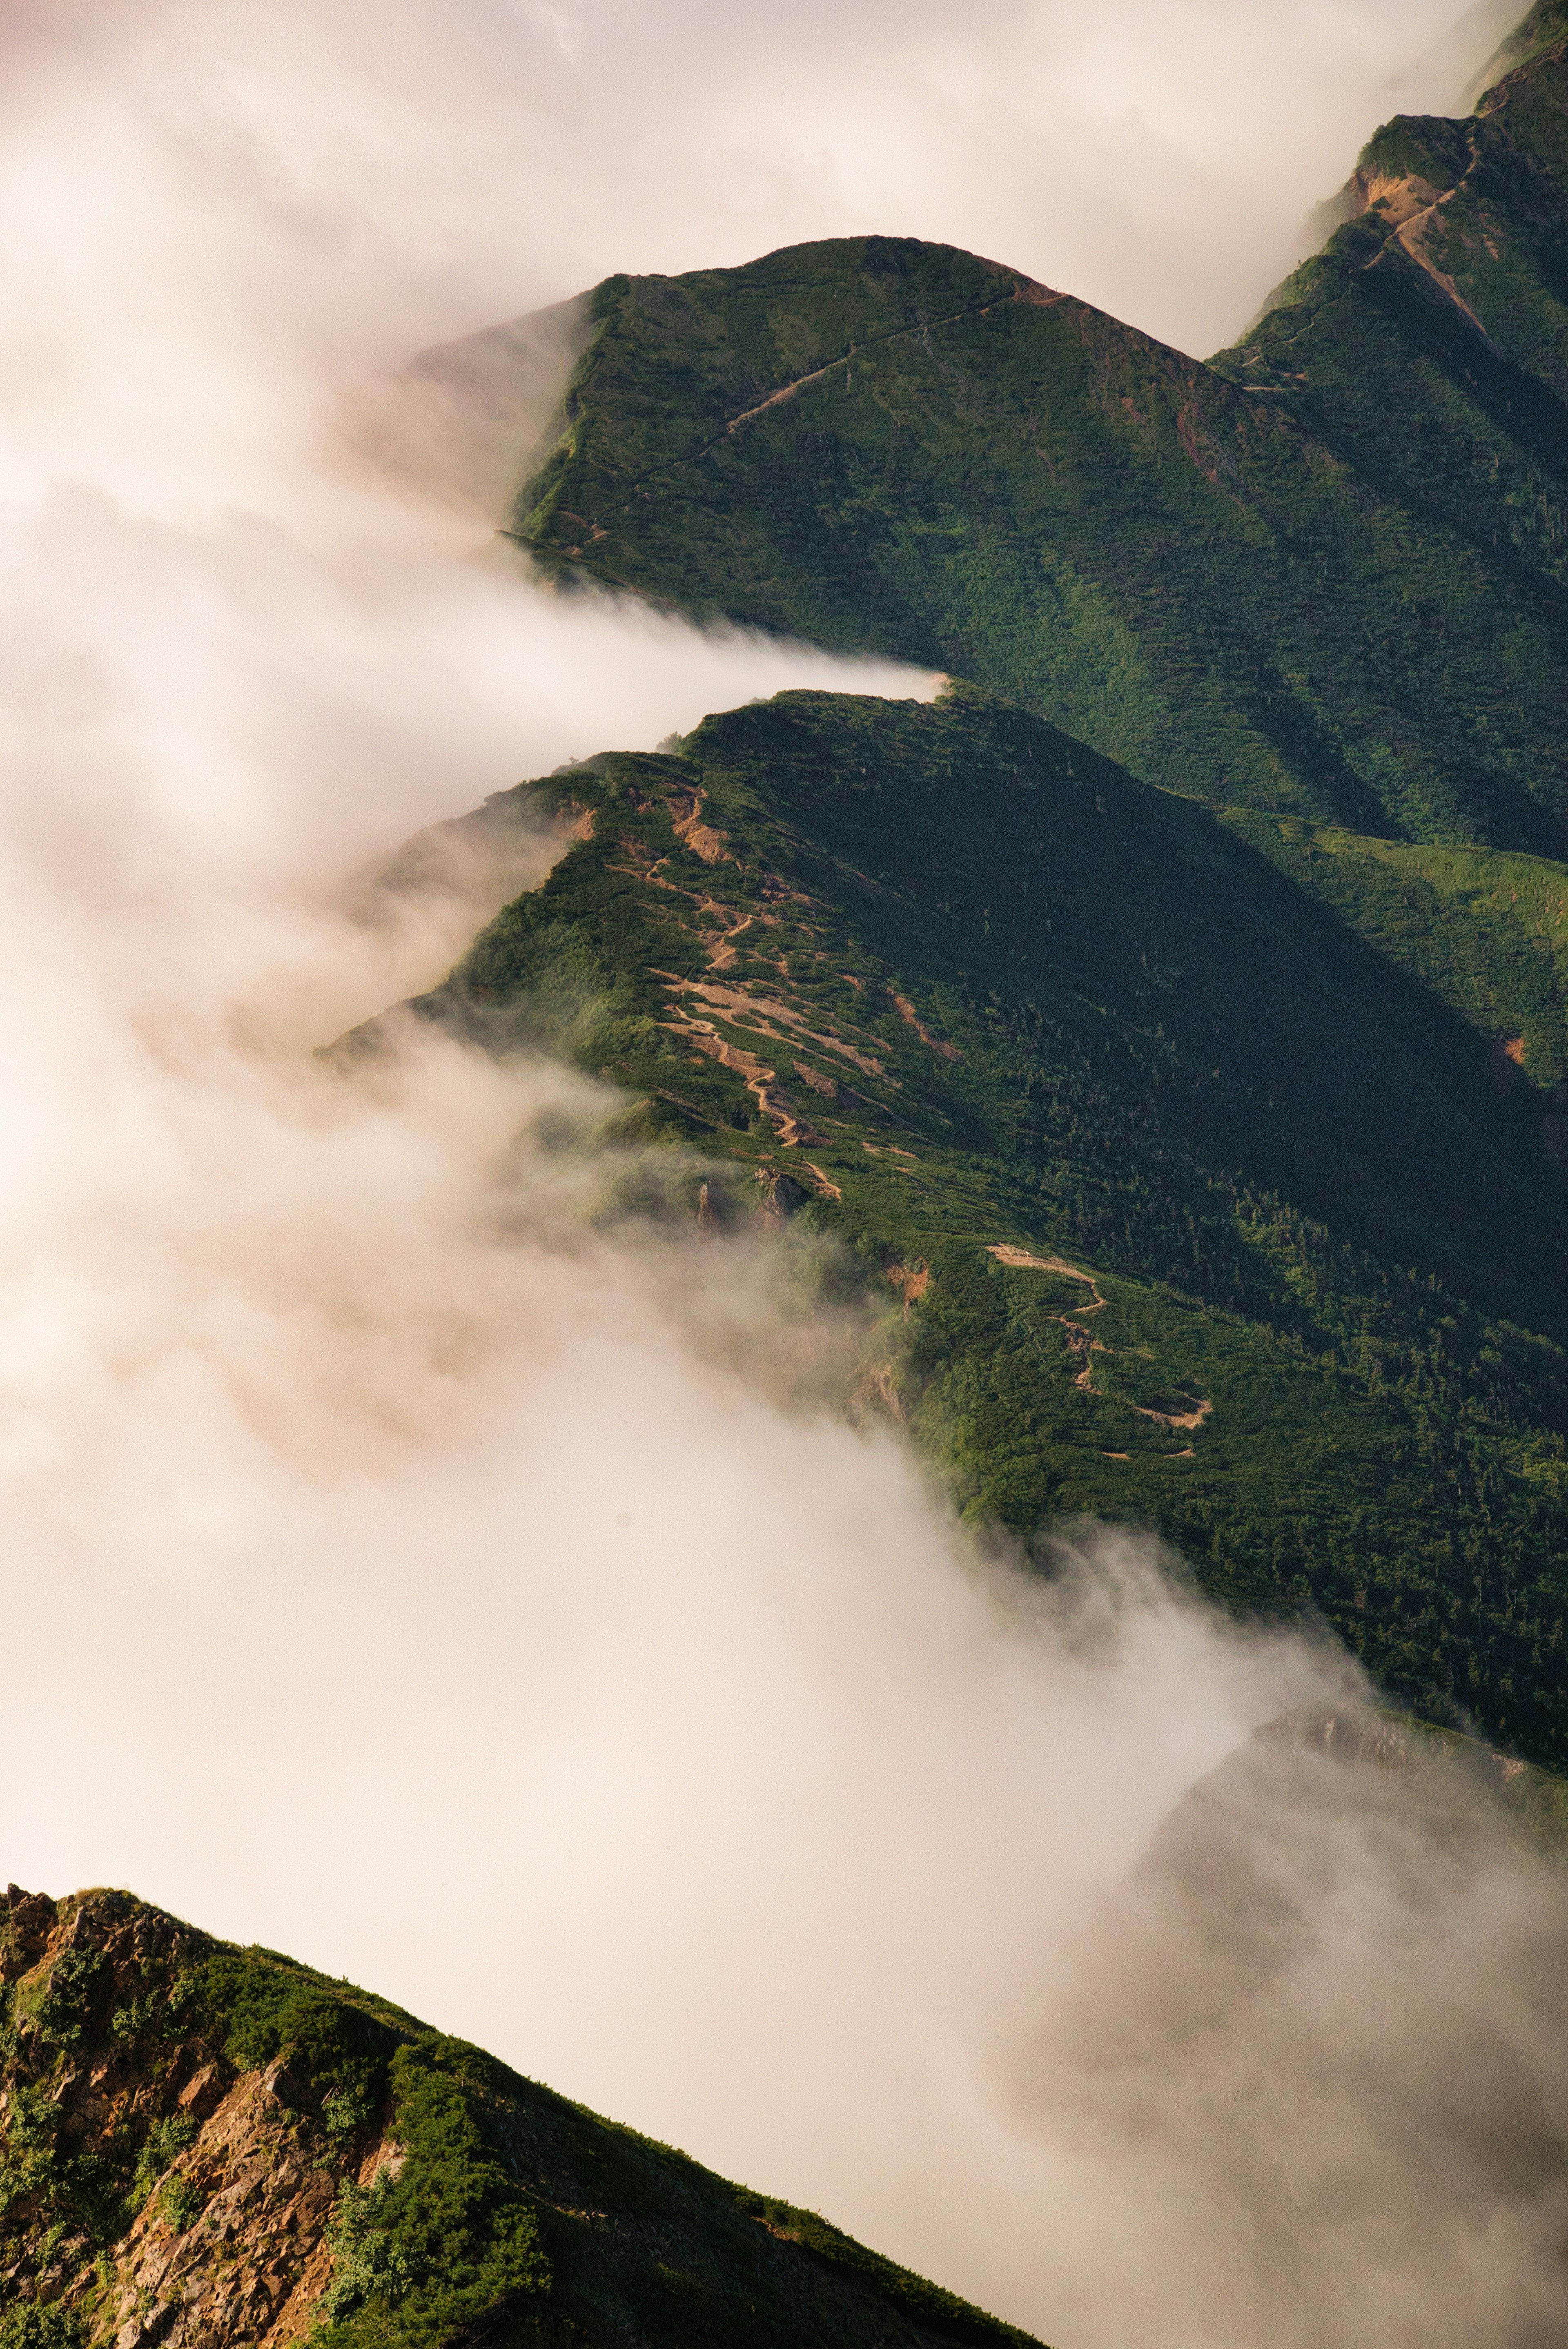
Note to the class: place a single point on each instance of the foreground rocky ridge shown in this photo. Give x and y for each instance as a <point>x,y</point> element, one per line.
<point>209,2148</point>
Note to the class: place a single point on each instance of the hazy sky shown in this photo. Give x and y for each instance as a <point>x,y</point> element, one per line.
<point>404,1564</point>
<point>227,187</point>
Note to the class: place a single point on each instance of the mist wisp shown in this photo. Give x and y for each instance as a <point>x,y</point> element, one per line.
<point>426,1552</point>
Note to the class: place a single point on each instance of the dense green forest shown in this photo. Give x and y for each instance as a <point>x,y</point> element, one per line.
<point>1210,1206</point>
<point>1428,344</point>
<point>202,2143</point>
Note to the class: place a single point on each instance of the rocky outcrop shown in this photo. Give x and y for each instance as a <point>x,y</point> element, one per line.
<point>149,2186</point>
<point>208,2148</point>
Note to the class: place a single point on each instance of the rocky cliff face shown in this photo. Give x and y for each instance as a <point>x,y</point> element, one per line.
<point>206,2147</point>
<point>153,2190</point>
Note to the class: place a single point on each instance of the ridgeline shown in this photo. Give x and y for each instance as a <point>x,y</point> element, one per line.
<point>1205,1206</point>
<point>1173,1018</point>
<point>211,2147</point>
<point>1323,576</point>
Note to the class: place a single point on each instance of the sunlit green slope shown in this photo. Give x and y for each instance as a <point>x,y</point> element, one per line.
<point>206,2147</point>
<point>1486,931</point>
<point>891,446</point>
<point>1428,345</point>
<point>1197,1199</point>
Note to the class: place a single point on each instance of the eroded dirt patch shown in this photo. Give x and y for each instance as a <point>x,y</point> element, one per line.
<point>1083,1347</point>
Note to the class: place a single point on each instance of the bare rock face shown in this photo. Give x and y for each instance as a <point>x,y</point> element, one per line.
<point>252,2264</point>
<point>150,2188</point>
<point>210,2147</point>
<point>30,1918</point>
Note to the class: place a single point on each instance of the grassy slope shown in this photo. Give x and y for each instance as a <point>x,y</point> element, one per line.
<point>963,984</point>
<point>1428,344</point>
<point>1014,487</point>
<point>515,2217</point>
<point>1485,931</point>
<point>1545,24</point>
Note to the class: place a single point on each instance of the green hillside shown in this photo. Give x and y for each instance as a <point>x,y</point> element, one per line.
<point>1196,1199</point>
<point>1428,344</point>
<point>1485,931</point>
<point>1261,1101</point>
<point>1546,24</point>
<point>206,2147</point>
<point>1324,581</point>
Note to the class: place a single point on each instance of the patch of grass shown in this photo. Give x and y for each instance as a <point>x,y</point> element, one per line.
<point>166,2139</point>
<point>44,2325</point>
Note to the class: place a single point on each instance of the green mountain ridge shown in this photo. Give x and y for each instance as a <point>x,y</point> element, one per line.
<point>1243,581</point>
<point>206,2147</point>
<point>1175,1015</point>
<point>1210,1202</point>
<point>1428,344</point>
<point>1546,23</point>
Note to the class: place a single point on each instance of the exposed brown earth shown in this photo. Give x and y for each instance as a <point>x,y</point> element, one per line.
<point>758,1010</point>
<point>1083,1345</point>
<point>686,818</point>
<point>760,1081</point>
<point>911,1281</point>
<point>907,1013</point>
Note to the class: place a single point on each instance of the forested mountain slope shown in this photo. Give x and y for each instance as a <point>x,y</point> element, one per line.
<point>1428,345</point>
<point>1329,585</point>
<point>1204,1204</point>
<point>206,2147</point>
<point>1217,1155</point>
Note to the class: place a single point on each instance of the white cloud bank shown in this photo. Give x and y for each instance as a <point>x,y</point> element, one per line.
<point>391,172</point>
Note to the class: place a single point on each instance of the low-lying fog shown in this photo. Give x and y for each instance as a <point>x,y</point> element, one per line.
<point>408,1567</point>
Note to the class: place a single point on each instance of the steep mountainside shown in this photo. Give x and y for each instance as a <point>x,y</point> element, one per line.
<point>1485,931</point>
<point>1203,1201</point>
<point>205,2146</point>
<point>1428,345</point>
<point>1216,1157</point>
<point>1209,573</point>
